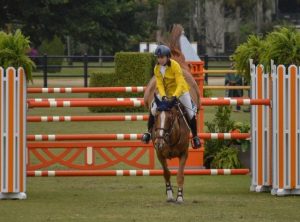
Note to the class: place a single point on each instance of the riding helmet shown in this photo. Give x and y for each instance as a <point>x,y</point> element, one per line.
<point>162,50</point>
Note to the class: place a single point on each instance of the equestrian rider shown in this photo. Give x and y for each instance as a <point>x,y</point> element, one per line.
<point>171,86</point>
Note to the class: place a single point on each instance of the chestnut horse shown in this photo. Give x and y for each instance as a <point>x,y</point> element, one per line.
<point>170,136</point>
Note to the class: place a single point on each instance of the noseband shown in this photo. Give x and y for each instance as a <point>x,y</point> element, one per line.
<point>168,132</point>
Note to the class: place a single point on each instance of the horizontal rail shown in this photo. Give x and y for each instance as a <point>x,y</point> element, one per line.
<point>86,118</point>
<point>139,103</point>
<point>38,173</point>
<point>60,137</point>
<point>87,89</point>
<point>85,144</point>
<point>232,101</point>
<point>226,87</point>
<point>108,103</point>
<point>220,71</point>
<point>81,99</point>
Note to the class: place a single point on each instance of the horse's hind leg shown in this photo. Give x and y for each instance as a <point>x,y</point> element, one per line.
<point>180,178</point>
<point>167,177</point>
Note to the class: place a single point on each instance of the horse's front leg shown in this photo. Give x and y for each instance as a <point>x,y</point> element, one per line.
<point>167,177</point>
<point>180,178</point>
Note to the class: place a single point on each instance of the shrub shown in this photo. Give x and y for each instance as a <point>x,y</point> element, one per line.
<point>53,47</point>
<point>13,49</point>
<point>281,45</point>
<point>252,49</point>
<point>224,153</point>
<point>132,69</point>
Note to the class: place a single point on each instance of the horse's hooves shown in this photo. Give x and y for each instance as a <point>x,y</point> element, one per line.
<point>170,200</point>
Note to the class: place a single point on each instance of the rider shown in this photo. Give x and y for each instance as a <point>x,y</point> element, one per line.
<point>171,86</point>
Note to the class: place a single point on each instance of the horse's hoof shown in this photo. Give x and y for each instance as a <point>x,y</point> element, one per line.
<point>179,200</point>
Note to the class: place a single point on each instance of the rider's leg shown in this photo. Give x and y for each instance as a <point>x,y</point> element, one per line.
<point>147,136</point>
<point>186,101</point>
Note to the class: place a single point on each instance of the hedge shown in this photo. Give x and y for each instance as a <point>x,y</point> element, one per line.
<point>132,69</point>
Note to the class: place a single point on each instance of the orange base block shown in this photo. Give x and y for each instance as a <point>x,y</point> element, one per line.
<point>195,159</point>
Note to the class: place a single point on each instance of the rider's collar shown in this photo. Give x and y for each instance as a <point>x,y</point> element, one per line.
<point>167,64</point>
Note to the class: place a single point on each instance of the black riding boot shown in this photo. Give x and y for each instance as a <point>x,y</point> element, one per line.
<point>147,136</point>
<point>196,140</point>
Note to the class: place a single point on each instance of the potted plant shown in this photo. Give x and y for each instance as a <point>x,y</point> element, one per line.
<point>13,52</point>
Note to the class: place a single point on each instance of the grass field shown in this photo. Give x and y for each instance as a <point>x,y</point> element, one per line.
<point>112,199</point>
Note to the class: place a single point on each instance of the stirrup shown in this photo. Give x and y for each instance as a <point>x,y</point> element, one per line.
<point>146,138</point>
<point>196,143</point>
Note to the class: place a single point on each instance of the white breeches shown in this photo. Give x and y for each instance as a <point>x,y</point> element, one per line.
<point>185,100</point>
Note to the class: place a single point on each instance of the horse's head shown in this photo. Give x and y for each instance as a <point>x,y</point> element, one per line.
<point>165,118</point>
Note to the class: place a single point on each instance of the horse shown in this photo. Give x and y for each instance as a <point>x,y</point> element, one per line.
<point>170,137</point>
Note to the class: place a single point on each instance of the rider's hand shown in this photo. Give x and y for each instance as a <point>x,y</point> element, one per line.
<point>173,99</point>
<point>164,98</point>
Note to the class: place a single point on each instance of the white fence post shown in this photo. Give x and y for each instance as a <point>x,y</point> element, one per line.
<point>260,132</point>
<point>12,133</point>
<point>286,134</point>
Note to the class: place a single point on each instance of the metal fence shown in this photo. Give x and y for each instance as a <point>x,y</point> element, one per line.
<point>50,66</point>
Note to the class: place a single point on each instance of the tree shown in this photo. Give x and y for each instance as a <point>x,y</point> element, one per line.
<point>110,25</point>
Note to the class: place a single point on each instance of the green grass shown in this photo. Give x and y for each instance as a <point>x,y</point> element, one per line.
<point>110,199</point>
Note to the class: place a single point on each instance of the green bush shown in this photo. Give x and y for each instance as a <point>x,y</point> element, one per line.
<point>225,153</point>
<point>132,69</point>
<point>51,48</point>
<point>13,49</point>
<point>252,49</point>
<point>281,45</point>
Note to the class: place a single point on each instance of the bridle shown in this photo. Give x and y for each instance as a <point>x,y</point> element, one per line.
<point>167,132</point>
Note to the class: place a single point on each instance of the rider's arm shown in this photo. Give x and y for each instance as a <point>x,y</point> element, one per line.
<point>180,81</point>
<point>159,82</point>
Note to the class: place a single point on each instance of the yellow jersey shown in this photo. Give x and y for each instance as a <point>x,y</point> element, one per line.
<point>172,83</point>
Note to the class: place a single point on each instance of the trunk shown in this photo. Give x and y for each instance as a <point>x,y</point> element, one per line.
<point>160,21</point>
<point>259,15</point>
<point>238,19</point>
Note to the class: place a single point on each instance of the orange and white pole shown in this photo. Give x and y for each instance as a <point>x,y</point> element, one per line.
<point>12,133</point>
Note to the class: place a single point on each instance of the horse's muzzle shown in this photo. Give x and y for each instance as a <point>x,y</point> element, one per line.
<point>159,144</point>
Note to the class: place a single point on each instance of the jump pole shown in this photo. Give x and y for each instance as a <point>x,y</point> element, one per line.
<point>134,172</point>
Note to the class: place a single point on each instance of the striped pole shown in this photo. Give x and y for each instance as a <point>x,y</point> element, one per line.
<point>65,173</point>
<point>12,133</point>
<point>139,103</point>
<point>81,99</point>
<point>86,118</point>
<point>88,90</point>
<point>60,137</point>
<point>109,103</point>
<point>225,101</point>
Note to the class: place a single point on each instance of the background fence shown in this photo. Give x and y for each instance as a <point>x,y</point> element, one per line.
<point>50,66</point>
